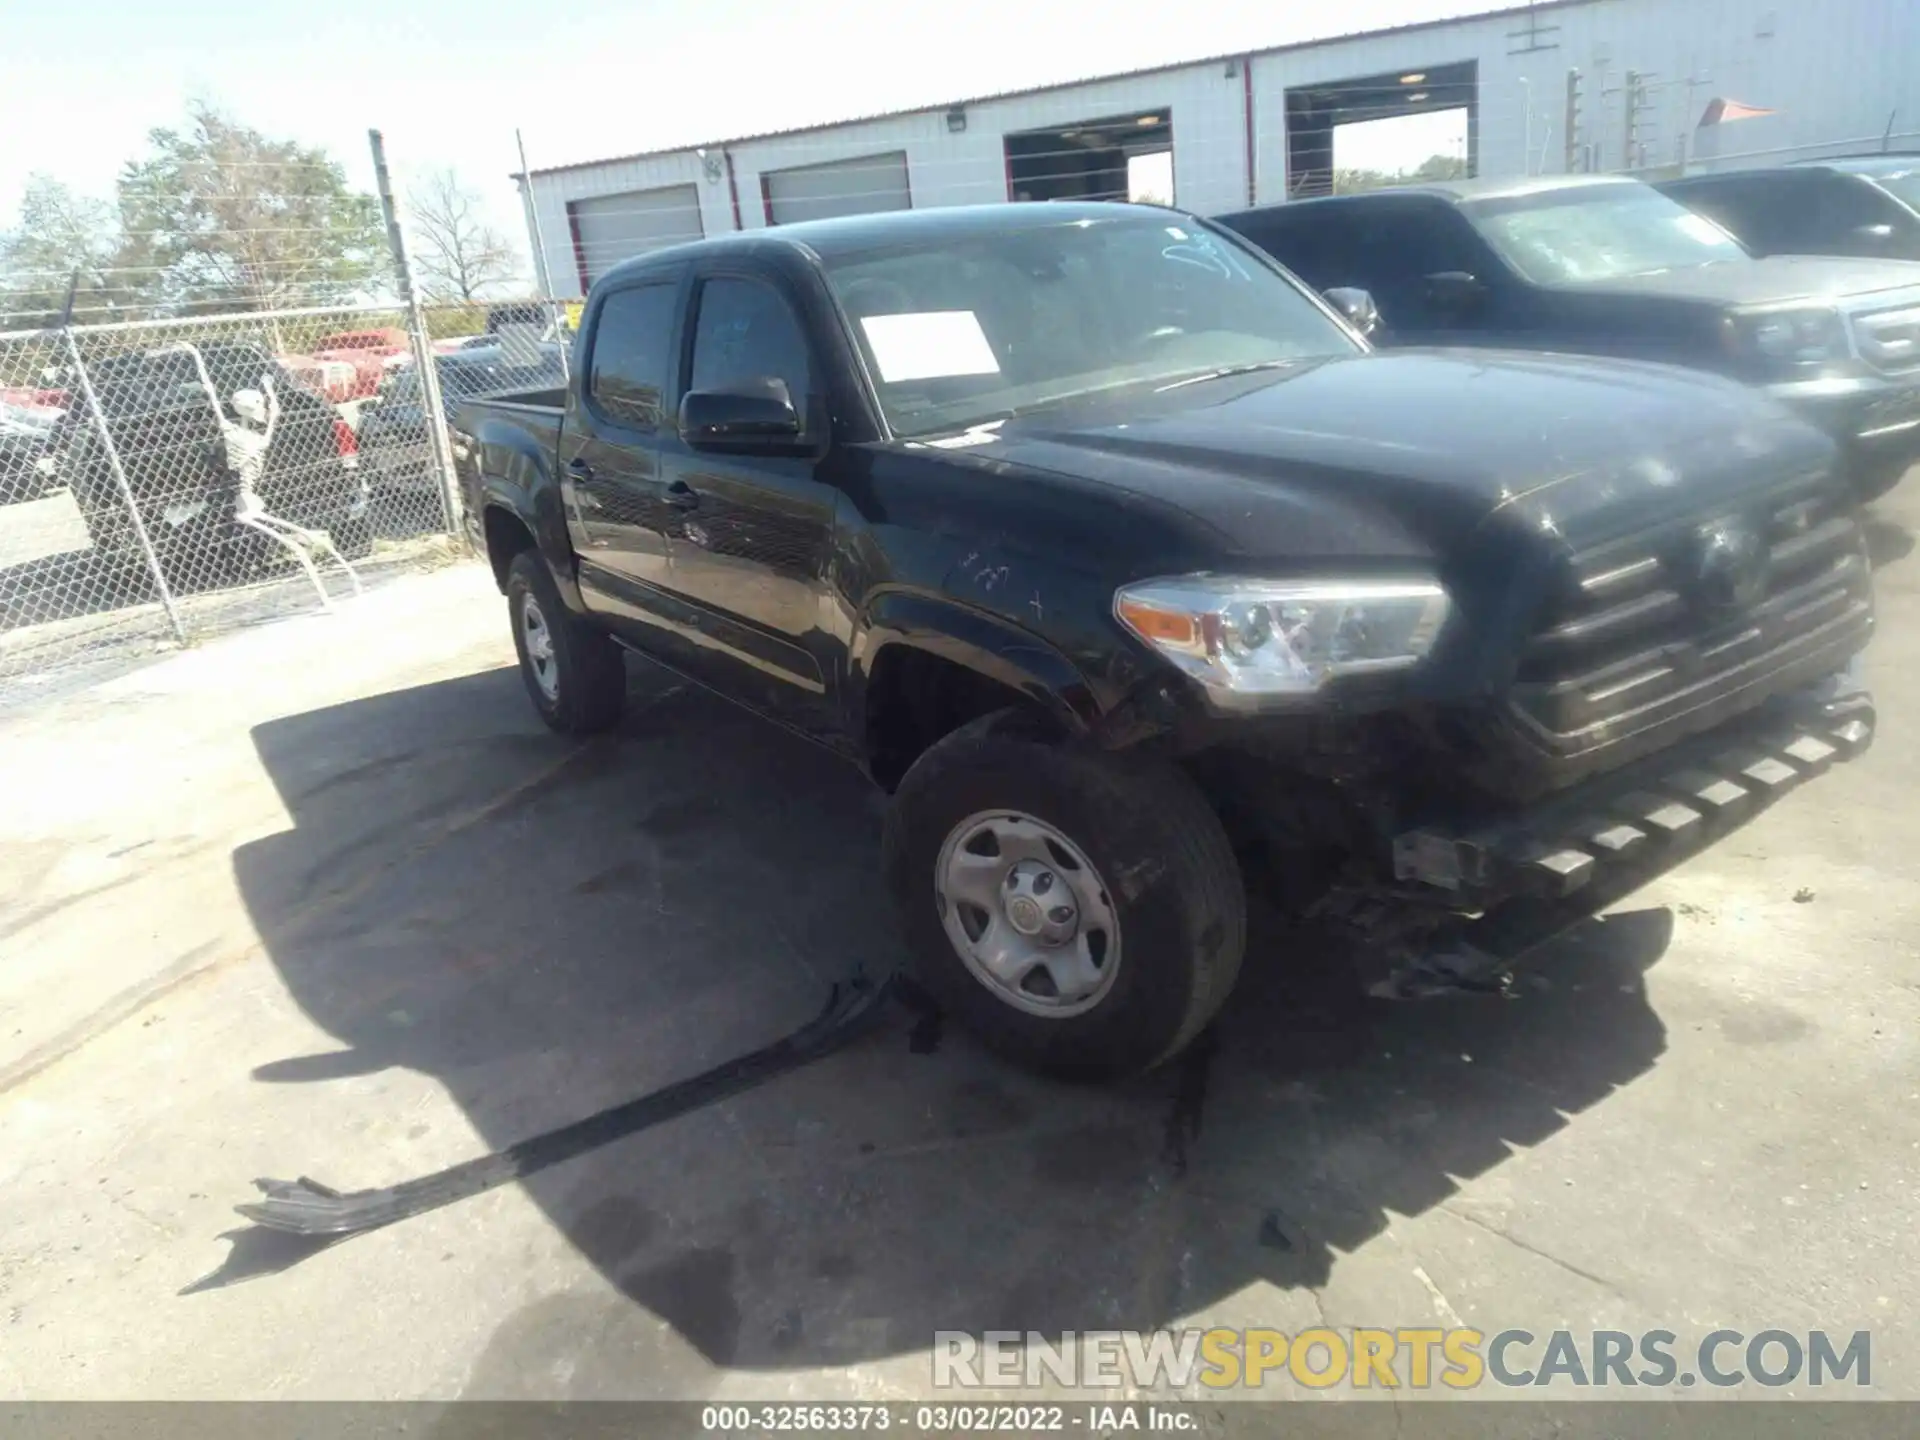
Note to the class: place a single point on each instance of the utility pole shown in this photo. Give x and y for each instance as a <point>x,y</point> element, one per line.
<point>540,251</point>
<point>436,416</point>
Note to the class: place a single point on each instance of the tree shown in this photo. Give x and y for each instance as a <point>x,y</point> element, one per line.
<point>1348,182</point>
<point>229,219</point>
<point>1434,167</point>
<point>1441,167</point>
<point>459,255</point>
<point>63,238</point>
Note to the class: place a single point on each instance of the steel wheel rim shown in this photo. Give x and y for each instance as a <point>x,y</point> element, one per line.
<point>1027,913</point>
<point>539,642</point>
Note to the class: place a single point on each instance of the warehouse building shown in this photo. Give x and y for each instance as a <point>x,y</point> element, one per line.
<point>1652,86</point>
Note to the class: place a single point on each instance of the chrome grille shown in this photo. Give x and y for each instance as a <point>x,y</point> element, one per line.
<point>1658,626</point>
<point>1889,340</point>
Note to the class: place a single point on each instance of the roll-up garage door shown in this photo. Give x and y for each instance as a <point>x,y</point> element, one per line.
<point>610,228</point>
<point>846,187</point>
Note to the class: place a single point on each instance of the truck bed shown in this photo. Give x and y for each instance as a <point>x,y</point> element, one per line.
<point>552,399</point>
<point>515,434</point>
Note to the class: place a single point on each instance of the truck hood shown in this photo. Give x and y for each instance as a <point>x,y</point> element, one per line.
<point>1411,451</point>
<point>1774,280</point>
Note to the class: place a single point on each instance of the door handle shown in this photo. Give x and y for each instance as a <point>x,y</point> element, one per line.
<point>682,496</point>
<point>579,469</point>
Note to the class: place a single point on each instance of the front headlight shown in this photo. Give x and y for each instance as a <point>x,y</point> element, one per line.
<point>1790,339</point>
<point>1244,639</point>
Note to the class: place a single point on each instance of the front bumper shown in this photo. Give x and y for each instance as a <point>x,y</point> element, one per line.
<point>1876,418</point>
<point>1528,874</point>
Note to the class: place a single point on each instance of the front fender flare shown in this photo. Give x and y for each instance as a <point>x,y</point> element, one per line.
<point>981,641</point>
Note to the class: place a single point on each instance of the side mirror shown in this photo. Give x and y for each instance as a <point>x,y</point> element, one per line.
<point>747,415</point>
<point>1454,293</point>
<point>1356,307</point>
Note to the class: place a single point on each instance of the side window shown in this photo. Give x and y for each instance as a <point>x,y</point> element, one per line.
<point>1770,214</point>
<point>1848,206</point>
<point>1313,244</point>
<point>1398,246</point>
<point>631,359</point>
<point>746,332</point>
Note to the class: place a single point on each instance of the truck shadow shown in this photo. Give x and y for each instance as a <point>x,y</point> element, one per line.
<point>549,929</point>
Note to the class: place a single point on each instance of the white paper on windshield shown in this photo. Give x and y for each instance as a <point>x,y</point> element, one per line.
<point>929,345</point>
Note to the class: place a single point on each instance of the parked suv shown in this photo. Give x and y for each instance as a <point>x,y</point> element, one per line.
<point>1609,266</point>
<point>167,439</point>
<point>1137,578</point>
<point>1867,206</point>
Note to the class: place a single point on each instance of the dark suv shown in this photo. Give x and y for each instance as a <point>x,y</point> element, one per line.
<point>167,442</point>
<point>1866,205</point>
<point>1603,265</point>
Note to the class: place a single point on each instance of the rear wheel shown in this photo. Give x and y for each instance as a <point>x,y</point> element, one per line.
<point>1080,912</point>
<point>574,673</point>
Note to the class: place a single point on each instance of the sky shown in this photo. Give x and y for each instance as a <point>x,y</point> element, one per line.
<point>448,81</point>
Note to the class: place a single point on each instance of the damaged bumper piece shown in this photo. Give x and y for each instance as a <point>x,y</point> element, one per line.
<point>306,1207</point>
<point>1517,880</point>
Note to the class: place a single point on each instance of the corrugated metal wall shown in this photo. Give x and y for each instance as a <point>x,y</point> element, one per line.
<point>1832,70</point>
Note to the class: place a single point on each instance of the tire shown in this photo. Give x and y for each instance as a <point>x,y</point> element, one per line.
<point>583,687</point>
<point>1164,881</point>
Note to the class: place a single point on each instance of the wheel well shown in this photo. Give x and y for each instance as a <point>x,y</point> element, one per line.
<point>916,698</point>
<point>507,536</point>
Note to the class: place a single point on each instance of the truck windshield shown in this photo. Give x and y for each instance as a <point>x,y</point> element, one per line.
<point>1584,234</point>
<point>962,330</point>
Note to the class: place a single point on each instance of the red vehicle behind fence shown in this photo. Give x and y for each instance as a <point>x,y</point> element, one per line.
<point>370,353</point>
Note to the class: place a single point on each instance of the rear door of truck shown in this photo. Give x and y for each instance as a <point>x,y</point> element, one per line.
<point>609,458</point>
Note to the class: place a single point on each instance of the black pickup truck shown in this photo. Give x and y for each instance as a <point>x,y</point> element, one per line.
<point>1604,265</point>
<point>1137,577</point>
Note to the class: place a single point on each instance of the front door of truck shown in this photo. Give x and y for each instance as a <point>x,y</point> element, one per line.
<point>610,477</point>
<point>753,532</point>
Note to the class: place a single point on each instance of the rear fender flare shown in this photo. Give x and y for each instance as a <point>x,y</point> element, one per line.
<point>535,501</point>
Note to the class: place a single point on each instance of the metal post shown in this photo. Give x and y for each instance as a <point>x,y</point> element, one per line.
<point>112,452</point>
<point>1572,162</point>
<point>438,440</point>
<point>1630,98</point>
<point>540,270</point>
<point>1526,152</point>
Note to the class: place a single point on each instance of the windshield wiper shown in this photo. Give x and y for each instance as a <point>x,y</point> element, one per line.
<point>1225,371</point>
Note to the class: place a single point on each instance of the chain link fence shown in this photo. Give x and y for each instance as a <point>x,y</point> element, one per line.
<point>162,481</point>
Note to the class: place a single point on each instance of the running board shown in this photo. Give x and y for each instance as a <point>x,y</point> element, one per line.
<point>306,1207</point>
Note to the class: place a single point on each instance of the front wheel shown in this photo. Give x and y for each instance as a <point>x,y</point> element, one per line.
<point>574,674</point>
<point>1081,912</point>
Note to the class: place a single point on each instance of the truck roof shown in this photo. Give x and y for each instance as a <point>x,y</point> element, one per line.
<point>850,234</point>
<point>1893,162</point>
<point>1455,191</point>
